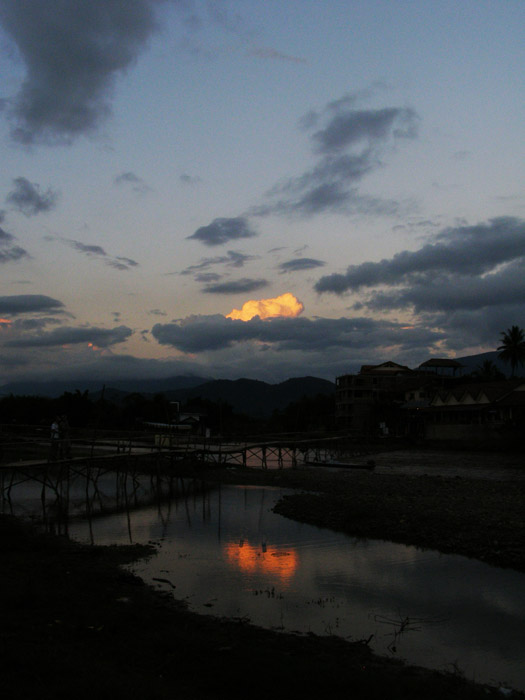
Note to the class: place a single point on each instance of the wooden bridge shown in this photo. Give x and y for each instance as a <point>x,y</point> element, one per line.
<point>85,467</point>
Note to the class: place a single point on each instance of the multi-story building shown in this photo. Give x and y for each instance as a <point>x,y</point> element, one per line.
<point>383,399</point>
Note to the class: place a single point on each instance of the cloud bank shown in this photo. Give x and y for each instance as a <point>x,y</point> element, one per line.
<point>92,336</point>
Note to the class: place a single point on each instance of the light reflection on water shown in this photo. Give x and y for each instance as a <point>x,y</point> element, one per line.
<point>228,554</point>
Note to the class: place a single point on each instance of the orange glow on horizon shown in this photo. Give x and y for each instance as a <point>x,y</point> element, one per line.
<point>286,305</point>
<point>5,322</point>
<point>268,560</point>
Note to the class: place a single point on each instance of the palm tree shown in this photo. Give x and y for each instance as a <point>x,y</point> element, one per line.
<point>512,348</point>
<point>488,371</point>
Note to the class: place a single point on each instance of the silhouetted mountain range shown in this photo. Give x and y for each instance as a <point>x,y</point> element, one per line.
<point>248,396</point>
<point>255,398</point>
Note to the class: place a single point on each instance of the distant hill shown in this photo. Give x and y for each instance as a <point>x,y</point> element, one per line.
<point>126,386</point>
<point>473,362</point>
<point>255,398</point>
<point>248,396</point>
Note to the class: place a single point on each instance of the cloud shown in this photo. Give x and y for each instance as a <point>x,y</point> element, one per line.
<point>27,197</point>
<point>350,144</point>
<point>207,277</point>
<point>198,334</point>
<point>349,127</point>
<point>29,303</point>
<point>72,53</point>
<point>231,259</point>
<point>285,305</point>
<point>137,183</point>
<point>222,230</point>
<point>299,264</point>
<point>99,337</point>
<point>8,251</point>
<point>469,282</point>
<point>189,179</point>
<point>124,263</point>
<point>452,292</point>
<point>95,251</point>
<point>243,286</point>
<point>462,251</point>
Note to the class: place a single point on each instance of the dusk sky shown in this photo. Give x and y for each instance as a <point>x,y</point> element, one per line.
<point>355,169</point>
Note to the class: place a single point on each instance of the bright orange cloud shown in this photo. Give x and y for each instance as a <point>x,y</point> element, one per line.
<point>286,305</point>
<point>5,322</point>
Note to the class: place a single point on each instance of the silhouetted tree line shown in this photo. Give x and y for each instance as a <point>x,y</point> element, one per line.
<point>311,413</point>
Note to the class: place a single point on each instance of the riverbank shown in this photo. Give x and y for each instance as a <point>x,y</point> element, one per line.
<point>477,517</point>
<point>75,624</point>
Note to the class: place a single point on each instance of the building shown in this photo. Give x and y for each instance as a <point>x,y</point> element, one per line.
<point>442,367</point>
<point>385,399</point>
<point>368,402</point>
<point>478,411</point>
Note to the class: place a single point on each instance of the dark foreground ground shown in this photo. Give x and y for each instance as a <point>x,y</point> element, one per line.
<point>75,625</point>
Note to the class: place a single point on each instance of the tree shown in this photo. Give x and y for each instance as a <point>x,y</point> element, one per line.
<point>488,372</point>
<point>512,348</point>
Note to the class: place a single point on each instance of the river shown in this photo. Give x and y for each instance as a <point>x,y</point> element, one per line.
<point>224,552</point>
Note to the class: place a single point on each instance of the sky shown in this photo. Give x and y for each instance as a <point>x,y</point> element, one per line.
<point>258,189</point>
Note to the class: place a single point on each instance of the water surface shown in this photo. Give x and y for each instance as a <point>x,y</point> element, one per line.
<point>226,553</point>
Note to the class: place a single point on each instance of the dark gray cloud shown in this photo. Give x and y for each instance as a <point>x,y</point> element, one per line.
<point>222,230</point>
<point>464,250</point>
<point>231,259</point>
<point>34,324</point>
<point>349,127</point>
<point>137,183</point>
<point>204,333</point>
<point>207,277</point>
<point>10,252</point>
<point>72,52</point>
<point>123,263</point>
<point>95,251</point>
<point>189,179</point>
<point>452,292</point>
<point>28,198</point>
<point>100,337</point>
<point>299,264</point>
<point>350,144</point>
<point>242,286</point>
<point>29,303</point>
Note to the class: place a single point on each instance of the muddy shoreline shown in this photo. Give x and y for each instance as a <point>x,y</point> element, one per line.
<point>74,623</point>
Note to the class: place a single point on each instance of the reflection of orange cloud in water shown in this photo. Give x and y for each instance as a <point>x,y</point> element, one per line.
<point>286,305</point>
<point>270,560</point>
